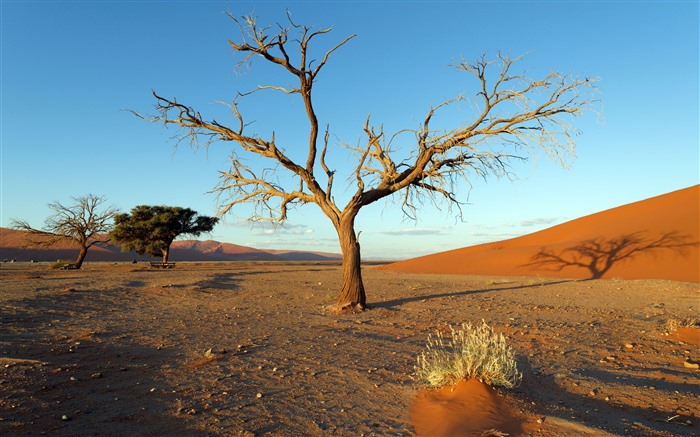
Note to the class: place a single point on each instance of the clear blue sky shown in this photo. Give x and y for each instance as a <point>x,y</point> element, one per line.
<point>71,68</point>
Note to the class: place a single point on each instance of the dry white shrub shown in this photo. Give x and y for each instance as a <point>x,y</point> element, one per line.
<point>684,322</point>
<point>472,353</point>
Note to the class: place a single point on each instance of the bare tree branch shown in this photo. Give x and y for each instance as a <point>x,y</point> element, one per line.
<point>516,117</point>
<point>330,173</point>
<point>85,222</point>
<point>443,158</point>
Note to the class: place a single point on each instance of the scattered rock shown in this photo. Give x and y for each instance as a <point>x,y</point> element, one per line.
<point>690,364</point>
<point>212,352</point>
<point>65,418</point>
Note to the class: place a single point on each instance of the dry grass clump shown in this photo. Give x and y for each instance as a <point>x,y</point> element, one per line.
<point>685,322</point>
<point>471,353</point>
<point>493,433</point>
<point>60,264</point>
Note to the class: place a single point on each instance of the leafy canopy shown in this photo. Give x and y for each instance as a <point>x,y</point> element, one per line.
<point>152,229</point>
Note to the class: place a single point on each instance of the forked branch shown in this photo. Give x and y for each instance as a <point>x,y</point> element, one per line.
<point>518,117</point>
<point>84,222</point>
<point>515,116</point>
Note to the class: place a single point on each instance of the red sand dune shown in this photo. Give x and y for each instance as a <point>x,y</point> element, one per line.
<point>13,245</point>
<point>468,408</point>
<point>186,250</point>
<point>656,238</point>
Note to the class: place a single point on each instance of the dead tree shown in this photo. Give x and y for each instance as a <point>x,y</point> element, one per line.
<point>84,222</point>
<point>515,115</point>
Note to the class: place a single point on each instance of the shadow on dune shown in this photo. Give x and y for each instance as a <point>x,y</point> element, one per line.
<point>598,255</point>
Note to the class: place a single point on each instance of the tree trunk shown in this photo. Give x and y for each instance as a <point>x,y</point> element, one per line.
<point>166,252</point>
<point>352,293</point>
<point>81,257</point>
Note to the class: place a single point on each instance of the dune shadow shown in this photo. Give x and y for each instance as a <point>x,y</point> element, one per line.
<point>599,254</point>
<point>659,378</point>
<point>220,281</point>
<point>91,381</point>
<point>387,304</point>
<point>550,397</point>
<point>134,284</point>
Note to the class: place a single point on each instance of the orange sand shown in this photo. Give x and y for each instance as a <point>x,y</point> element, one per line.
<point>466,409</point>
<point>687,335</point>
<point>656,238</point>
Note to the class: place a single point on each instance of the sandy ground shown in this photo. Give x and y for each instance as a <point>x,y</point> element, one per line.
<point>248,348</point>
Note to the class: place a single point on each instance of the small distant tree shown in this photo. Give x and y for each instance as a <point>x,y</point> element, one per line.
<point>152,229</point>
<point>85,221</point>
<point>514,116</point>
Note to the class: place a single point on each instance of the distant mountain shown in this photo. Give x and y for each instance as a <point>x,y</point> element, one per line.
<point>295,255</point>
<point>656,238</point>
<point>210,250</point>
<point>13,246</point>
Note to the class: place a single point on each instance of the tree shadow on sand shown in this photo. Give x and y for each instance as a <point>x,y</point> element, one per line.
<point>64,375</point>
<point>598,255</point>
<point>551,397</point>
<point>398,302</point>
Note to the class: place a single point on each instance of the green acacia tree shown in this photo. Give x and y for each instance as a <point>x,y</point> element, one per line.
<point>152,229</point>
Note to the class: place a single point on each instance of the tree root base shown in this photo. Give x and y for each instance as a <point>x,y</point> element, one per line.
<point>348,308</point>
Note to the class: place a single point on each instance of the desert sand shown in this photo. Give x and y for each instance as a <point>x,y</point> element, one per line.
<point>656,238</point>
<point>600,311</point>
<point>251,348</point>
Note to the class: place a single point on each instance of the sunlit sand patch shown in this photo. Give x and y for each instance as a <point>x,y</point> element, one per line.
<point>687,335</point>
<point>9,361</point>
<point>469,408</point>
